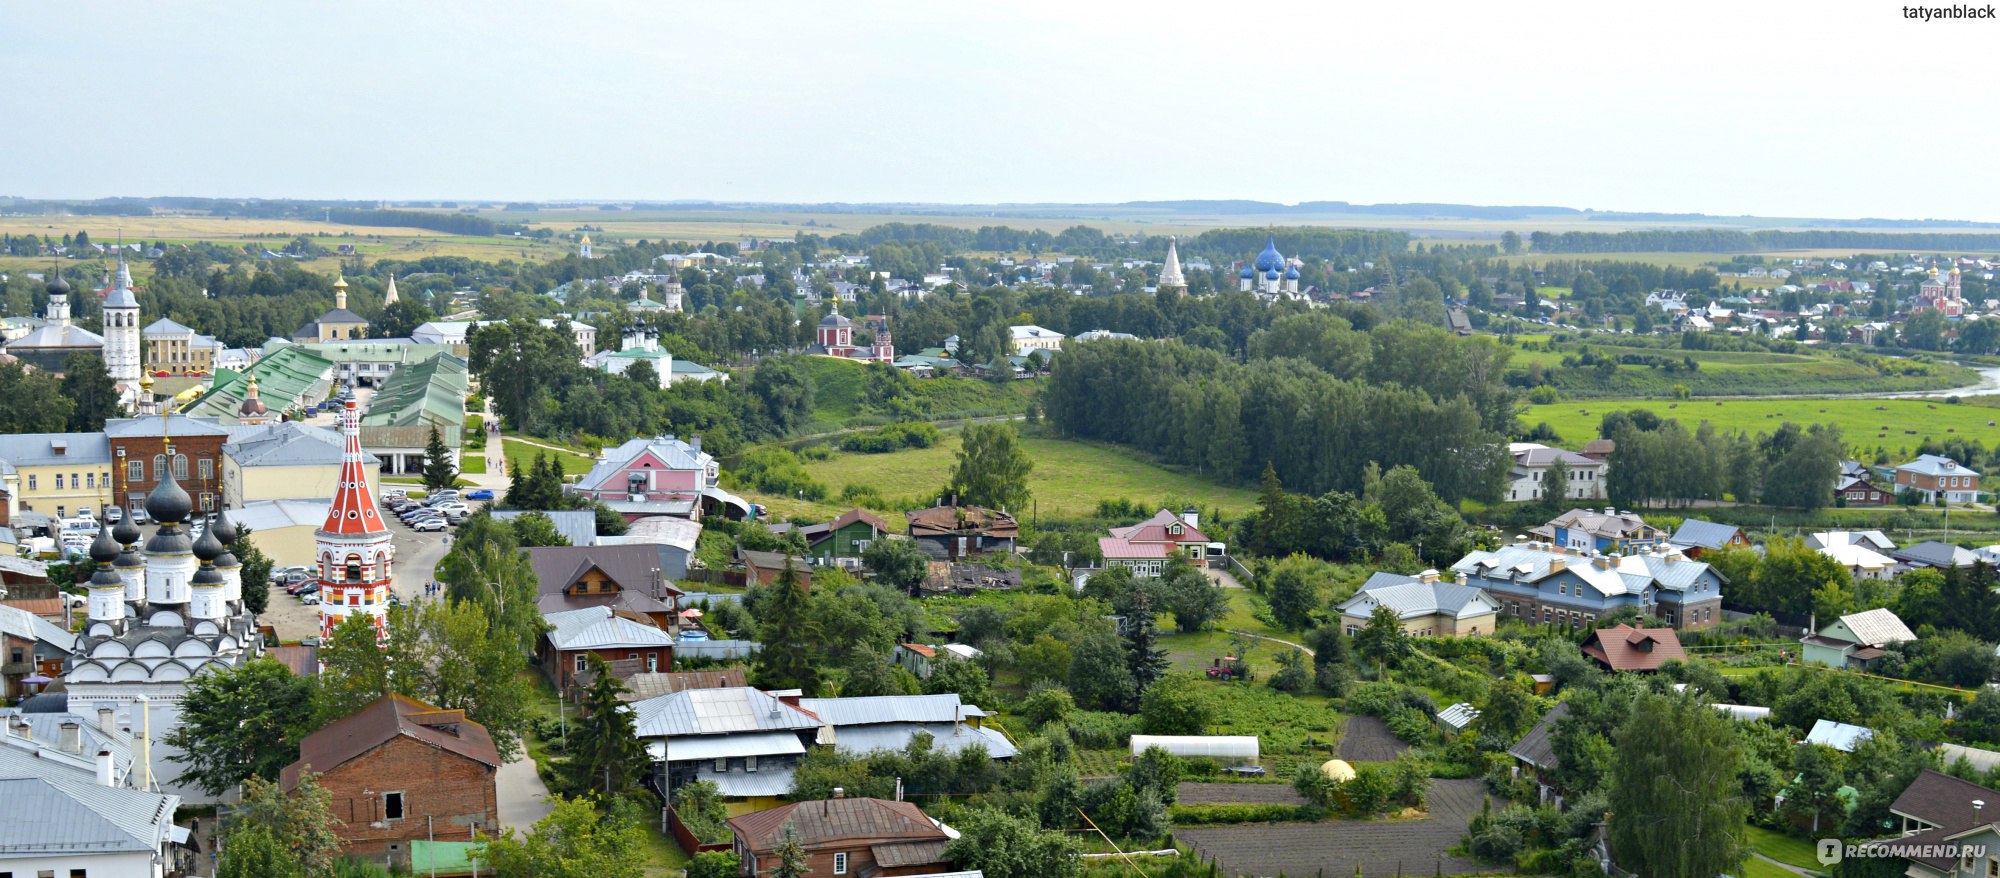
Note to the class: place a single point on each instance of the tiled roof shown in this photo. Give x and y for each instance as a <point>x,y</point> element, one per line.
<point>1625,648</point>
<point>836,820</point>
<point>1944,801</point>
<point>631,567</point>
<point>382,721</point>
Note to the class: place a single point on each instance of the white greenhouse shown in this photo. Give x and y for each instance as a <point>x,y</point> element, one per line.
<point>1222,749</point>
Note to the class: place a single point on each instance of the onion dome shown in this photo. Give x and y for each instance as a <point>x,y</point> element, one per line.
<point>56,285</point>
<point>104,549</point>
<point>224,529</point>
<point>169,503</point>
<point>208,548</point>
<point>126,532</point>
<point>253,405</point>
<point>1270,259</point>
<point>1271,274</point>
<point>835,319</point>
<point>1292,273</point>
<point>1248,273</point>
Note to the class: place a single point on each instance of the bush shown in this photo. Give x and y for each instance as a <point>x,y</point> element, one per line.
<point>1544,395</point>
<point>1190,815</point>
<point>1046,704</point>
<point>891,438</point>
<point>1102,730</point>
<point>774,470</point>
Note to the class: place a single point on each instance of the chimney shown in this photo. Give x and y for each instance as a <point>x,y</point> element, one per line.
<point>104,768</point>
<point>839,793</point>
<point>1192,516</point>
<point>72,738</point>
<point>18,725</point>
<point>142,746</point>
<point>1428,576</point>
<point>1610,510</point>
<point>694,442</point>
<point>1556,565</point>
<point>107,720</point>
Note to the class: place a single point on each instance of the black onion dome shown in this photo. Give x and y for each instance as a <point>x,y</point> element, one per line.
<point>208,575</point>
<point>208,548</point>
<point>169,503</point>
<point>104,549</point>
<point>56,285</point>
<point>168,541</point>
<point>224,529</point>
<point>125,531</point>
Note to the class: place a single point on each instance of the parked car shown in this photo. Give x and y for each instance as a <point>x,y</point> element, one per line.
<point>414,515</point>
<point>311,600</point>
<point>428,525</point>
<point>479,494</point>
<point>452,506</point>
<point>278,574</point>
<point>310,588</point>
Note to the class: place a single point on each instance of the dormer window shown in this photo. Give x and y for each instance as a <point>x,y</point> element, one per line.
<point>1174,529</point>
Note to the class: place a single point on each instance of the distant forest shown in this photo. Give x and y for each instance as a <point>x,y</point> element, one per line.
<point>1725,241</point>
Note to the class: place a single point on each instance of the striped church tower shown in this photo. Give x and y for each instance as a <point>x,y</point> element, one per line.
<point>353,545</point>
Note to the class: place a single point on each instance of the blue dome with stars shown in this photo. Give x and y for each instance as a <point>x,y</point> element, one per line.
<point>1292,273</point>
<point>1270,259</point>
<point>1249,273</point>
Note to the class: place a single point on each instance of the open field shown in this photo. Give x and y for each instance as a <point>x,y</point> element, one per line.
<point>371,242</point>
<point>1897,425</point>
<point>1729,373</point>
<point>521,454</point>
<point>1068,479</point>
<point>1788,849</point>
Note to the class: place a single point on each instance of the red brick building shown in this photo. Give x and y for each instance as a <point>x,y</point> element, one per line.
<point>625,641</point>
<point>401,771</point>
<point>138,452</point>
<point>842,836</point>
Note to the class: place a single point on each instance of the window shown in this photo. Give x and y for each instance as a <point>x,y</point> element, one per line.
<point>722,766</point>
<point>31,482</point>
<point>392,806</point>
<point>181,466</point>
<point>90,480</point>
<point>632,656</point>
<point>59,481</point>
<point>207,500</point>
<point>207,469</point>
<point>652,662</point>
<point>840,863</point>
<point>750,763</point>
<point>582,662</point>
<point>1353,630</point>
<point>76,480</point>
<point>135,470</point>
<point>159,465</point>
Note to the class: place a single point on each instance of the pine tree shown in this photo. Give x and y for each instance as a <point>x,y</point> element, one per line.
<point>1143,653</point>
<point>791,637</point>
<point>439,472</point>
<point>606,754</point>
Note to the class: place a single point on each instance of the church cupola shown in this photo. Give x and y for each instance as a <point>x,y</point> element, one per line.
<point>227,563</point>
<point>207,601</point>
<point>340,293</point>
<point>107,588</point>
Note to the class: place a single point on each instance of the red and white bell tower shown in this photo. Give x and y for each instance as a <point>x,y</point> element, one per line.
<point>353,546</point>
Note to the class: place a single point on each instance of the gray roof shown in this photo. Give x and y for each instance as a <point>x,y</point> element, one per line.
<point>1545,456</point>
<point>719,650</point>
<point>178,425</point>
<point>16,622</point>
<point>47,731</point>
<point>1630,574</point>
<point>1380,579</point>
<point>57,335</point>
<point>1537,747</point>
<point>944,708</point>
<point>598,628</point>
<point>675,453</point>
<point>1697,534</point>
<point>164,326</point>
<point>288,443</point>
<point>1415,599</point>
<point>578,526</point>
<point>717,712</point>
<point>1839,736</point>
<point>1932,553</point>
<point>1458,716</point>
<point>946,738</point>
<point>66,815</point>
<point>1934,465</point>
<point>40,449</point>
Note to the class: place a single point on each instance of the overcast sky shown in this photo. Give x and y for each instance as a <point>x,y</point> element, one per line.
<point>1839,109</point>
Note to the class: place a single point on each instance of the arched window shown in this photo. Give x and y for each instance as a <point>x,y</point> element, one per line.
<point>181,466</point>
<point>159,466</point>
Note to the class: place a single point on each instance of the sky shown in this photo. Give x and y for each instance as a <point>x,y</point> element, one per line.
<point>1832,108</point>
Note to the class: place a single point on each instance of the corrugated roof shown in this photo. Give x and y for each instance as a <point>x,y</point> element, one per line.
<point>698,747</point>
<point>717,712</point>
<point>943,708</point>
<point>1839,736</point>
<point>65,814</point>
<point>654,685</point>
<point>1878,627</point>
<point>1410,600</point>
<point>578,526</point>
<point>835,820</point>
<point>948,738</point>
<point>598,628</point>
<point>771,781</point>
<point>1458,716</point>
<point>286,376</point>
<point>17,622</point>
<point>1932,553</point>
<point>431,392</point>
<point>1695,533</point>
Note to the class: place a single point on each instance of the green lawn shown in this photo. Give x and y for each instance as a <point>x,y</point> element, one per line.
<point>1789,849</point>
<point>521,454</point>
<point>472,464</point>
<point>1727,373</point>
<point>1896,425</point>
<point>1068,479</point>
<point>1756,868</point>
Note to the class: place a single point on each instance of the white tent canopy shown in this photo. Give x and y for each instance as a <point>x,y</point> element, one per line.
<point>1231,749</point>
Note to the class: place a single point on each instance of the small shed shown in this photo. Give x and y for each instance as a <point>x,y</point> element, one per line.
<point>1221,749</point>
<point>1458,717</point>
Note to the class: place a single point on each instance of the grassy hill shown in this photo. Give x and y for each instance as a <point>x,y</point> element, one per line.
<point>840,388</point>
<point>1898,425</point>
<point>1735,373</point>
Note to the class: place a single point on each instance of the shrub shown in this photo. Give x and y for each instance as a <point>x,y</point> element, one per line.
<point>775,470</point>
<point>1190,815</point>
<point>1102,730</point>
<point>1046,704</point>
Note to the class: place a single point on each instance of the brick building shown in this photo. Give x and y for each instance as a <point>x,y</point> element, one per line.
<point>1932,476</point>
<point>624,640</point>
<point>843,836</point>
<point>401,771</point>
<point>138,452</point>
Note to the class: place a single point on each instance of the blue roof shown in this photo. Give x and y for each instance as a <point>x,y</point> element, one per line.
<point>1271,275</point>
<point>1249,273</point>
<point>1270,259</point>
<point>1292,273</point>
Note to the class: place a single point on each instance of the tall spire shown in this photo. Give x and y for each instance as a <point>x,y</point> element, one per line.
<point>124,271</point>
<point>1170,276</point>
<point>353,511</point>
<point>389,295</point>
<point>340,292</point>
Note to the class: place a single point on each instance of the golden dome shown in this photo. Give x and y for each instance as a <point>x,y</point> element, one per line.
<point>340,281</point>
<point>146,382</point>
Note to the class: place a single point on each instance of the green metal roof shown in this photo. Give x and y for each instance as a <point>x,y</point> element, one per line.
<point>284,377</point>
<point>402,353</point>
<point>429,392</point>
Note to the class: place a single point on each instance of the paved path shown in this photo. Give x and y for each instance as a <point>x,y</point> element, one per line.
<point>523,797</point>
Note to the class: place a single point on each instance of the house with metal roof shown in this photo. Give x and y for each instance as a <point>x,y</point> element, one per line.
<point>31,648</point>
<point>1537,582</point>
<point>1529,477</point>
<point>1587,530</point>
<point>578,526</point>
<point>419,398</point>
<point>284,461</point>
<point>626,645</point>
<point>844,836</point>
<point>1535,754</point>
<point>745,741</point>
<point>1840,736</point>
<point>56,819</point>
<point>1932,476</point>
<point>661,475</point>
<point>627,578</point>
<point>1696,536</point>
<point>1861,552</point>
<point>892,722</point>
<point>55,473</point>
<point>1855,640</point>
<point>1932,553</point>
<point>1427,605</point>
<point>289,378</point>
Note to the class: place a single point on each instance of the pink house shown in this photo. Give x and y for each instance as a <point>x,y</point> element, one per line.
<point>1146,546</point>
<point>660,476</point>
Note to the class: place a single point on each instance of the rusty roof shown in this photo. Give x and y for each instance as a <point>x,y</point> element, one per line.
<point>1625,648</point>
<point>382,721</point>
<point>830,821</point>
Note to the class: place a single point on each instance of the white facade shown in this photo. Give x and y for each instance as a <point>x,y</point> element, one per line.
<point>121,331</point>
<point>1528,478</point>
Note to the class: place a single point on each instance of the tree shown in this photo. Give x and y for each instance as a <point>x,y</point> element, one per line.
<point>1508,710</point>
<point>88,385</point>
<point>400,318</point>
<point>1510,242</point>
<point>899,563</point>
<point>443,653</point>
<point>992,468</point>
<point>353,670</point>
<point>536,529</point>
<point>1294,598</point>
<point>301,819</point>
<point>487,568</point>
<point>240,722</point>
<point>1187,593</point>
<point>576,840</point>
<point>1555,488</point>
<point>1001,845</point>
<point>1677,805</point>
<point>714,864</point>
<point>605,753</point>
<point>1382,640</point>
<point>790,634</point>
<point>439,471</point>
<point>1175,706</point>
<point>252,852</point>
<point>783,390</point>
<point>256,571</point>
<point>32,402</point>
<point>1100,674</point>
<point>1144,655</point>
<point>953,675</point>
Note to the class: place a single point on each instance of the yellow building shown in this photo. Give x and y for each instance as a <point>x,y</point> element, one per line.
<point>55,474</point>
<point>285,461</point>
<point>178,350</point>
<point>282,529</point>
<point>1425,605</point>
<point>338,324</point>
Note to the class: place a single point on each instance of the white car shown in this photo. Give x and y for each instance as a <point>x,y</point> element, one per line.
<point>428,525</point>
<point>309,600</point>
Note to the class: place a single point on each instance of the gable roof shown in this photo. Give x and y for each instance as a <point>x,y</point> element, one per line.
<point>65,815</point>
<point>288,443</point>
<point>717,712</point>
<point>1935,465</point>
<point>1839,736</point>
<point>382,721</point>
<point>1943,801</point>
<point>1877,627</point>
<point>1412,600</point>
<point>1537,747</point>
<point>1629,574</point>
<point>1697,534</point>
<point>52,449</point>
<point>1609,525</point>
<point>656,684</point>
<point>632,567</point>
<point>1932,553</point>
<point>1159,529</point>
<point>600,628</point>
<point>673,453</point>
<point>826,821</point>
<point>1627,648</point>
<point>17,622</point>
<point>868,710</point>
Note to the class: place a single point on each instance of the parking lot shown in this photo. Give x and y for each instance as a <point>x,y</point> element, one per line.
<point>417,555</point>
